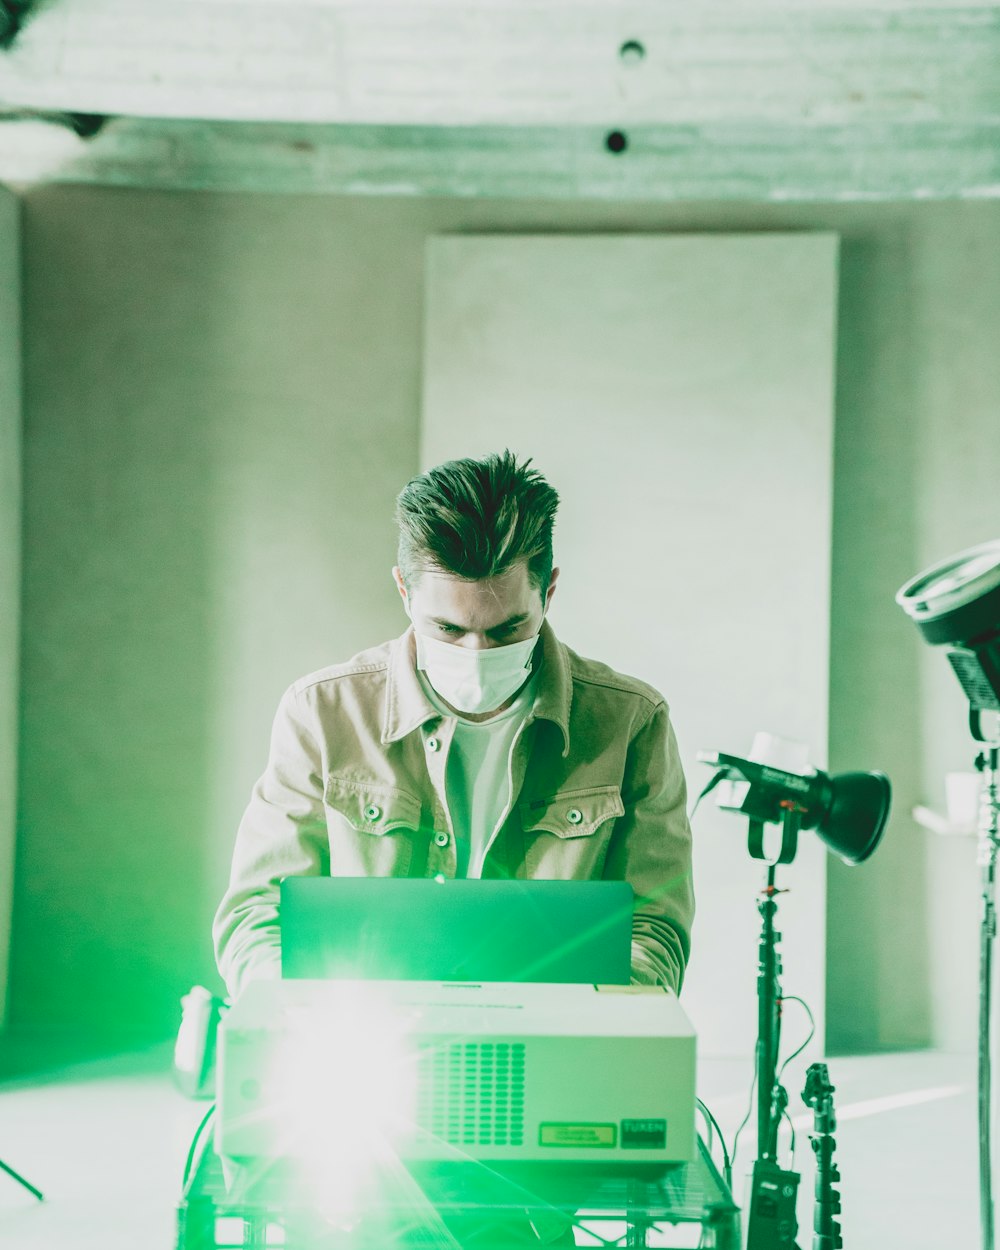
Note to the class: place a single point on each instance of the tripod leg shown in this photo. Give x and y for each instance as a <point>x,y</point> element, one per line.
<point>21,1181</point>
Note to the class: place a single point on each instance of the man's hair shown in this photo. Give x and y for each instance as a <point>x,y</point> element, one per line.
<point>476,518</point>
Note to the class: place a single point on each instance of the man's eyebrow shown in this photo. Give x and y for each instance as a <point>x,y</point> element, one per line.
<point>510,621</point>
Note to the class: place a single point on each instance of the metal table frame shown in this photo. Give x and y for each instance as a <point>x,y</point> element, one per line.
<point>210,1217</point>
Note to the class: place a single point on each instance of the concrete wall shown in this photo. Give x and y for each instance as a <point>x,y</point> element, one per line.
<point>10,555</point>
<point>222,396</point>
<point>220,417</point>
<point>600,357</point>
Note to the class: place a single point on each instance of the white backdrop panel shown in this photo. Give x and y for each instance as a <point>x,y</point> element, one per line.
<point>678,393</point>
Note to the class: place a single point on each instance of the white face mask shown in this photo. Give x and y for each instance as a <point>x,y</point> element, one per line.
<point>475,681</point>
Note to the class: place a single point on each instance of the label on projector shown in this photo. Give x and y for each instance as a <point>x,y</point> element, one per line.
<point>644,1134</point>
<point>592,1136</point>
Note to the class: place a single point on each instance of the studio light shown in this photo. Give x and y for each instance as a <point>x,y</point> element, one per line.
<point>956,604</point>
<point>848,811</point>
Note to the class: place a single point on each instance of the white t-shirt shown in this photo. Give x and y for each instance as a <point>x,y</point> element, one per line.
<point>478,775</point>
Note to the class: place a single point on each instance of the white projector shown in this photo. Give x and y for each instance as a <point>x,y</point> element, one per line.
<point>445,1070</point>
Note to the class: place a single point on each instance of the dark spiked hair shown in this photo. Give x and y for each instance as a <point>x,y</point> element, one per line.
<point>476,518</point>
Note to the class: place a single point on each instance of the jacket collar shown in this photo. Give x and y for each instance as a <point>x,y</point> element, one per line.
<point>407,707</point>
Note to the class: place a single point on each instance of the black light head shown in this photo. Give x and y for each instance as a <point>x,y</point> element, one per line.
<point>956,603</point>
<point>856,815</point>
<point>848,811</point>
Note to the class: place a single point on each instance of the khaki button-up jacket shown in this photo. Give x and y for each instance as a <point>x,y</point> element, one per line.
<point>355,786</point>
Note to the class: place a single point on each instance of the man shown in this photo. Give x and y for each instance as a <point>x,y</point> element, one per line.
<point>474,745</point>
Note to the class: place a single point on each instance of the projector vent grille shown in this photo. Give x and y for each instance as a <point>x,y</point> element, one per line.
<point>472,1094</point>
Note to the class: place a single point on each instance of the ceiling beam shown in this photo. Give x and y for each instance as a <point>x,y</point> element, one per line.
<point>515,63</point>
<point>648,100</point>
<point>733,161</point>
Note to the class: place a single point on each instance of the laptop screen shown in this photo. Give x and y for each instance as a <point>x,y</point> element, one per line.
<point>396,928</point>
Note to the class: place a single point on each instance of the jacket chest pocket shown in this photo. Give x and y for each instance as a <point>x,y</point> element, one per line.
<point>566,834</point>
<point>371,828</point>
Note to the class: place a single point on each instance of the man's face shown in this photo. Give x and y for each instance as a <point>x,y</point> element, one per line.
<point>477,614</point>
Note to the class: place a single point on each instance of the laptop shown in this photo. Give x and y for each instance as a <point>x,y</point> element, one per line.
<point>398,928</point>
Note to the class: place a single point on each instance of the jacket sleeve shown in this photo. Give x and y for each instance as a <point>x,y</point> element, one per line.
<point>283,833</point>
<point>651,849</point>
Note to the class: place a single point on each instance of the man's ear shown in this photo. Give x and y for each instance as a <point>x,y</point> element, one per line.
<point>552,588</point>
<point>397,577</point>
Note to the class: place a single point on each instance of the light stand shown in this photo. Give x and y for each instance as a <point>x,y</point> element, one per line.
<point>988,763</point>
<point>848,813</point>
<point>956,603</point>
<point>772,1098</point>
<point>772,1221</point>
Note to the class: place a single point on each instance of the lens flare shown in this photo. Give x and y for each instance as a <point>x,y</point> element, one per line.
<point>345,1087</point>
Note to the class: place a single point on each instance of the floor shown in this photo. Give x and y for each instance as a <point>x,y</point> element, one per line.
<point>105,1137</point>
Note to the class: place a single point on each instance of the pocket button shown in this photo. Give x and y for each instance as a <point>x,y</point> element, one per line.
<point>574,815</point>
<point>372,813</point>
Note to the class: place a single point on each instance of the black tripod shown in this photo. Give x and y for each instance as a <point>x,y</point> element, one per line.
<point>987,763</point>
<point>771,1219</point>
<point>21,1181</point>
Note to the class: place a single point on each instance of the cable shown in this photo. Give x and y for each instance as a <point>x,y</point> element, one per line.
<point>711,1124</point>
<point>721,775</point>
<point>194,1144</point>
<point>788,998</point>
<point>743,1122</point>
<point>794,998</point>
<point>791,1126</point>
<point>727,1164</point>
<point>189,1170</point>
